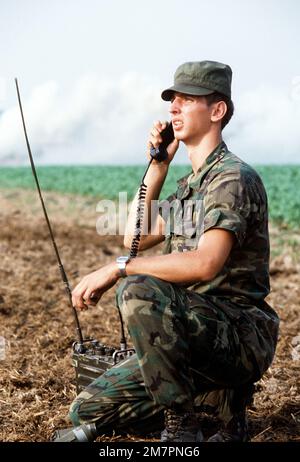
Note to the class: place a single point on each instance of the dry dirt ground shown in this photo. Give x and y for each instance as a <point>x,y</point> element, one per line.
<point>36,378</point>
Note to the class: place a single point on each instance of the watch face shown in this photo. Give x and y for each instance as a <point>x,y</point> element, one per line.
<point>122,259</point>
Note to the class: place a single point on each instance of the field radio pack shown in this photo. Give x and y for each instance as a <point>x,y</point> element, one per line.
<point>91,358</point>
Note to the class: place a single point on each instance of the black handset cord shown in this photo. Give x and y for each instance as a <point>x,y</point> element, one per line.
<point>160,153</point>
<point>139,216</point>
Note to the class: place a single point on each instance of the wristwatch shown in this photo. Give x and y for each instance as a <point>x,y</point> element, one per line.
<point>122,262</point>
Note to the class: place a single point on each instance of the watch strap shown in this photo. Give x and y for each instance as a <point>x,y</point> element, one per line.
<point>122,262</point>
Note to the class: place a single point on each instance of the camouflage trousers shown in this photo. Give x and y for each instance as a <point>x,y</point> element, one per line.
<point>190,348</point>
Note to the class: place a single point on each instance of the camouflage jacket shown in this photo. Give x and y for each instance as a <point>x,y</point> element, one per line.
<point>224,193</point>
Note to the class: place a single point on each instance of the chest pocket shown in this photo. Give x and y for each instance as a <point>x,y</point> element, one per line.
<point>185,225</point>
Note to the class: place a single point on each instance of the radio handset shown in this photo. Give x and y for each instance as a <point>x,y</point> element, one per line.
<point>160,153</point>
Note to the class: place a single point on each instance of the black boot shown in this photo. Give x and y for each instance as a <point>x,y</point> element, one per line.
<point>181,426</point>
<point>235,431</point>
<point>237,428</point>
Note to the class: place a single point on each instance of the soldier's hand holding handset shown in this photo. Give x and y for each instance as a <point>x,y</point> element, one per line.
<point>162,139</point>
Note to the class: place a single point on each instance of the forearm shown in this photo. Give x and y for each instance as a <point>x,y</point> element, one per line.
<point>183,268</point>
<point>186,267</point>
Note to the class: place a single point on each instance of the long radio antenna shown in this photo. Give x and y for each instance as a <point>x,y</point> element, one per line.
<point>60,265</point>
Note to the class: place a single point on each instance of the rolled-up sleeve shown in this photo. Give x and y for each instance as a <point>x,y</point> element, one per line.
<point>227,205</point>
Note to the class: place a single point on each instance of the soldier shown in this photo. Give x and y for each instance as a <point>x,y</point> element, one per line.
<point>197,317</point>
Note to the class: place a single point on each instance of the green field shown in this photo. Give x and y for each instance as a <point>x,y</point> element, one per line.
<point>282,184</point>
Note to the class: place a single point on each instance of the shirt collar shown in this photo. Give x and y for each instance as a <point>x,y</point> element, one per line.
<point>193,180</point>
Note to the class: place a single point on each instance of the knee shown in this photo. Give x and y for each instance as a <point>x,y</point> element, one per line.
<point>139,287</point>
<point>136,286</point>
<point>127,287</point>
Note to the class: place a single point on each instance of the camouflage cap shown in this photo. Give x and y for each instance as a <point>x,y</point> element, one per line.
<point>200,78</point>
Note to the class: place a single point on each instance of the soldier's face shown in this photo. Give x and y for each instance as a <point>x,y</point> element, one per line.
<point>191,117</point>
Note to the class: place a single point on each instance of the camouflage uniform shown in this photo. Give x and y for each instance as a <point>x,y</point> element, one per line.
<point>202,342</point>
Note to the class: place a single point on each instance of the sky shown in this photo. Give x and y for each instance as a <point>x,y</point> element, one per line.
<point>91,73</point>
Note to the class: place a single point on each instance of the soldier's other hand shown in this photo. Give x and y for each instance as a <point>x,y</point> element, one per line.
<point>91,288</point>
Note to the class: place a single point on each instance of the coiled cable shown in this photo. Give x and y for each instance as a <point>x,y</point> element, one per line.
<point>134,248</point>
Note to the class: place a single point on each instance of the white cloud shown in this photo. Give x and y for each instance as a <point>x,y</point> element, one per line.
<point>266,126</point>
<point>107,121</point>
<point>97,121</point>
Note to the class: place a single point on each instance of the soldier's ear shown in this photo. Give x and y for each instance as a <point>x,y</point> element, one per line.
<point>219,110</point>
